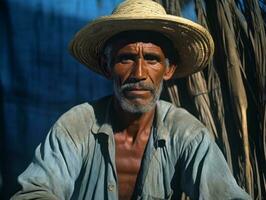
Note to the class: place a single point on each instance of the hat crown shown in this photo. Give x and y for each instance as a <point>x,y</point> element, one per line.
<point>193,44</point>
<point>139,8</point>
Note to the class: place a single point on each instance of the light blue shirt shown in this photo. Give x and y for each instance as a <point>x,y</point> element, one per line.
<point>77,159</point>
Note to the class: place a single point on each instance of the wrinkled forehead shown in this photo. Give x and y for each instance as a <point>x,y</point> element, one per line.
<point>122,39</point>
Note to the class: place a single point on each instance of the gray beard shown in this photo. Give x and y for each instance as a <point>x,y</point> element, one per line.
<point>137,108</point>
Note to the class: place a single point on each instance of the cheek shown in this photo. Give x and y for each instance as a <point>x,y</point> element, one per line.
<point>157,75</point>
<point>120,73</point>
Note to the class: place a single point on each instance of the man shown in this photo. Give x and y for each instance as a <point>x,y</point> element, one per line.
<point>131,145</point>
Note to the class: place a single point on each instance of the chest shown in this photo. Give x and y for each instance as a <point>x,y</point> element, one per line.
<point>103,175</point>
<point>128,159</point>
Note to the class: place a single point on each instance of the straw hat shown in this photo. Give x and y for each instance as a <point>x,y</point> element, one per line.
<point>192,42</point>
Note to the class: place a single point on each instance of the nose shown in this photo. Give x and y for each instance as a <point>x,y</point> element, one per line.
<point>139,72</point>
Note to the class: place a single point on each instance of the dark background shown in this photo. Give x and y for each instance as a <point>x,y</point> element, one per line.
<point>39,79</point>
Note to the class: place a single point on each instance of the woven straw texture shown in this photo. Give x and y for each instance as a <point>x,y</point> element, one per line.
<point>193,43</point>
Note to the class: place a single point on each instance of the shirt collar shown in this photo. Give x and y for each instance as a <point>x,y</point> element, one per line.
<point>160,131</point>
<point>103,125</point>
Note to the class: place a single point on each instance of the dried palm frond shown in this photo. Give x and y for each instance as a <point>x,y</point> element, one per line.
<point>256,65</point>
<point>198,90</point>
<point>232,69</point>
<point>215,94</point>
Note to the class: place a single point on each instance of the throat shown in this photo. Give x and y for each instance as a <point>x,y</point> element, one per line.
<point>132,126</point>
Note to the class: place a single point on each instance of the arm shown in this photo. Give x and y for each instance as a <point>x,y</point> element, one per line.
<point>205,172</point>
<point>54,169</point>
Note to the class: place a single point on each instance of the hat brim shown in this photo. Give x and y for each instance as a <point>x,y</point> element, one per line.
<point>192,42</point>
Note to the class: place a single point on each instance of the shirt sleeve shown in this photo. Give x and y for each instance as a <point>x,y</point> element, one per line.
<point>54,169</point>
<point>205,173</point>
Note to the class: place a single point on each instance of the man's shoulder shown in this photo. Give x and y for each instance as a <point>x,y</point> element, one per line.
<point>180,123</point>
<point>178,116</point>
<point>80,118</point>
<point>84,110</point>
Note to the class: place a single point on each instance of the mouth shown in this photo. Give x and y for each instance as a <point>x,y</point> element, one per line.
<point>136,92</point>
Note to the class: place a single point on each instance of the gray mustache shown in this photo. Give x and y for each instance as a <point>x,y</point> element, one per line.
<point>140,85</point>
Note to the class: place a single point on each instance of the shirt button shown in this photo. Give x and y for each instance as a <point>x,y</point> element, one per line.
<point>110,187</point>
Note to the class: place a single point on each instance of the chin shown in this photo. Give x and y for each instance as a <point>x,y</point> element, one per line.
<point>137,107</point>
<point>137,104</point>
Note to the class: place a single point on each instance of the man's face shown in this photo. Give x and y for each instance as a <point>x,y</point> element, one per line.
<point>138,71</point>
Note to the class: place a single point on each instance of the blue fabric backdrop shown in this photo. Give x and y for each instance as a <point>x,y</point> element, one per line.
<point>39,79</point>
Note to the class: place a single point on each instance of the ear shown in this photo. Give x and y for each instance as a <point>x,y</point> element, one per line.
<point>105,68</point>
<point>169,72</point>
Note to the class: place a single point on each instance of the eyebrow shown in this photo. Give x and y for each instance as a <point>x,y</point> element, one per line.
<point>136,54</point>
<point>155,55</point>
<point>126,54</point>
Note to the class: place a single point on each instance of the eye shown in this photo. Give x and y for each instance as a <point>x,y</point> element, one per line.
<point>125,58</point>
<point>152,59</point>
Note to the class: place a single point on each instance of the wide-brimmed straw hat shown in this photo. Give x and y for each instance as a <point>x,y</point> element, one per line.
<point>191,41</point>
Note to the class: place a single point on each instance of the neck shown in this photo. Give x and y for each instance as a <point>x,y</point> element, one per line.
<point>132,124</point>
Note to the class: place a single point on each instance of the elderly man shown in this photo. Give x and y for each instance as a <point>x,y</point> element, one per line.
<point>132,145</point>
